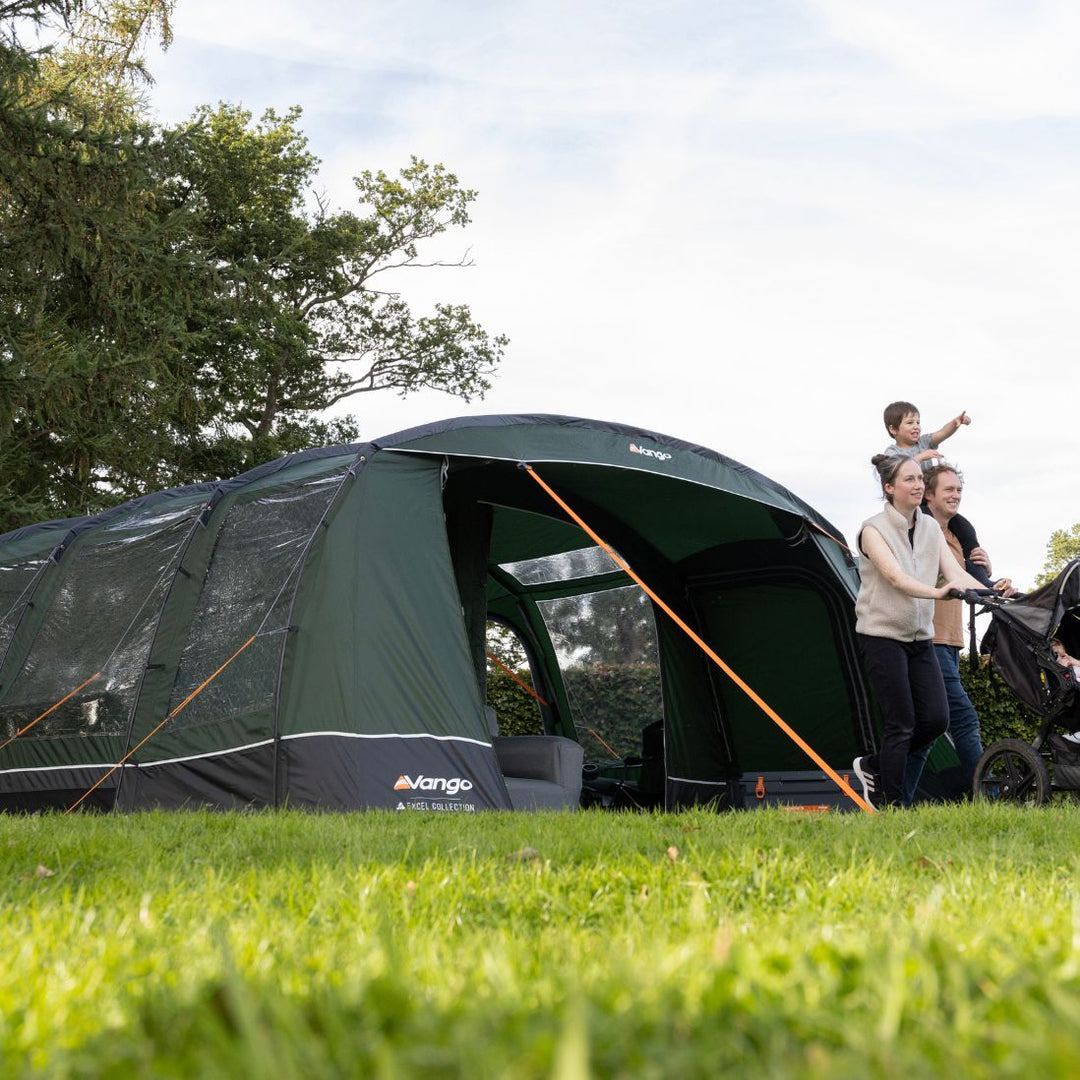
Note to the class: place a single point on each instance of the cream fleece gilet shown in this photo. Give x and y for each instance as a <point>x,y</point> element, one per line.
<point>881,609</point>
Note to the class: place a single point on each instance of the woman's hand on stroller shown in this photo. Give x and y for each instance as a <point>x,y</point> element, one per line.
<point>955,591</point>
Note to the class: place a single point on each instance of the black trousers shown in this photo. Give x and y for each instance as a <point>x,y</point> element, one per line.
<point>910,693</point>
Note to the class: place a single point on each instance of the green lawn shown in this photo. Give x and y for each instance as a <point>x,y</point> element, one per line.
<point>938,942</point>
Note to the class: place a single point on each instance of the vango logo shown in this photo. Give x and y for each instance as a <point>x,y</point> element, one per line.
<point>644,451</point>
<point>451,785</point>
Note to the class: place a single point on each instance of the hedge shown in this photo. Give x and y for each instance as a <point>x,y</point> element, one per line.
<point>628,692</point>
<point>515,708</point>
<point>618,700</point>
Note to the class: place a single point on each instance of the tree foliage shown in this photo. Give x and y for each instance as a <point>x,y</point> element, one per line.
<point>92,297</point>
<point>178,304</point>
<point>1063,545</point>
<point>296,321</point>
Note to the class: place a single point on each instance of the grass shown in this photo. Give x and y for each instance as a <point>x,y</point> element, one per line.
<point>943,941</point>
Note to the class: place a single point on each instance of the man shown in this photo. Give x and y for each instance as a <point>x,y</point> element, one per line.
<point>941,500</point>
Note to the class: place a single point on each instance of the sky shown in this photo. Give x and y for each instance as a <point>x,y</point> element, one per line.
<point>749,224</point>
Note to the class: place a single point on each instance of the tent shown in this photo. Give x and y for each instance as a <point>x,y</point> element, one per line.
<point>313,632</point>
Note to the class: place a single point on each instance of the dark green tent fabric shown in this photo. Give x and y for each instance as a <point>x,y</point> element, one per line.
<point>310,633</point>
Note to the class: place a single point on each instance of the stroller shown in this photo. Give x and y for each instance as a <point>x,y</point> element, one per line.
<point>1018,643</point>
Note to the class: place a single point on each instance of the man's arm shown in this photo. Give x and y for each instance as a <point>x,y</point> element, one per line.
<point>979,557</point>
<point>1003,585</point>
<point>953,572</point>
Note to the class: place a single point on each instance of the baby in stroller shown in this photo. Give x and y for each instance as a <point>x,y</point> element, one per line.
<point>1063,658</point>
<point>1067,661</point>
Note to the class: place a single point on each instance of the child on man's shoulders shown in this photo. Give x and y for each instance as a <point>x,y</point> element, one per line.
<point>903,423</point>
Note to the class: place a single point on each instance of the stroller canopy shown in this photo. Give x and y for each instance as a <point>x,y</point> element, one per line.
<point>1020,633</point>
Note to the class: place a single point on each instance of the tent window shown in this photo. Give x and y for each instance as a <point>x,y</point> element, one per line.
<point>248,586</point>
<point>104,613</point>
<point>15,581</point>
<point>606,647</point>
<point>517,709</point>
<point>566,566</point>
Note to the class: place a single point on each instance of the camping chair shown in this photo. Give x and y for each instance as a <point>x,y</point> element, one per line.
<point>542,772</point>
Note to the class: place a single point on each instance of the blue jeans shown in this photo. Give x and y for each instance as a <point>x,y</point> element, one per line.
<point>963,730</point>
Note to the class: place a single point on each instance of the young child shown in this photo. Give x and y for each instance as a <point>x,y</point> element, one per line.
<point>902,422</point>
<point>1063,658</point>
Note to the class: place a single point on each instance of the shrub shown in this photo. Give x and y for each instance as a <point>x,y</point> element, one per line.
<point>515,707</point>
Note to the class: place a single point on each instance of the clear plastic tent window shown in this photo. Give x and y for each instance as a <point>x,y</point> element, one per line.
<point>16,583</point>
<point>566,566</point>
<point>102,620</point>
<point>248,589</point>
<point>606,646</point>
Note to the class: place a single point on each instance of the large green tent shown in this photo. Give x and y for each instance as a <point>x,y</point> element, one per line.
<point>312,633</point>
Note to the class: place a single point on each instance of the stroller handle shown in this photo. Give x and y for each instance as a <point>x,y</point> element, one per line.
<point>974,596</point>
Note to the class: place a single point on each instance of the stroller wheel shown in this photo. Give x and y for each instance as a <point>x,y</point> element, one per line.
<point>1012,770</point>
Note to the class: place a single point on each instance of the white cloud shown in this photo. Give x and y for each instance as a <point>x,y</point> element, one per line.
<point>1002,60</point>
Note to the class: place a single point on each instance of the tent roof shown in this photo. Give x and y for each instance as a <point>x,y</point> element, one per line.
<point>678,498</point>
<point>646,459</point>
<point>541,437</point>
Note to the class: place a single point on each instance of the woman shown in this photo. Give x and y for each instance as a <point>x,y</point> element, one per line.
<point>904,555</point>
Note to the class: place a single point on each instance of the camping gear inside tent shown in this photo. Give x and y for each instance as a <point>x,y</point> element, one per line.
<point>313,633</point>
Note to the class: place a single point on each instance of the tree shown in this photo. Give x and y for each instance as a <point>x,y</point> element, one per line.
<point>297,321</point>
<point>180,304</point>
<point>92,275</point>
<point>1063,545</point>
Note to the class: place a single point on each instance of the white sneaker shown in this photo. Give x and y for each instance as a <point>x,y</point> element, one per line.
<point>867,779</point>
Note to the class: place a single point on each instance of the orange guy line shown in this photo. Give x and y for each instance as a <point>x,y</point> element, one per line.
<point>844,786</point>
<point>834,539</point>
<point>512,674</point>
<point>194,693</point>
<point>610,749</point>
<point>52,708</point>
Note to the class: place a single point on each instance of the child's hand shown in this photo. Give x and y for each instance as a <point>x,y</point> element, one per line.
<point>927,455</point>
<point>963,418</point>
